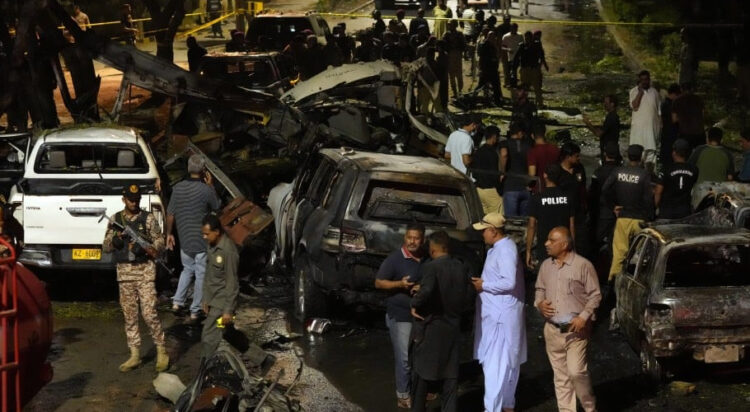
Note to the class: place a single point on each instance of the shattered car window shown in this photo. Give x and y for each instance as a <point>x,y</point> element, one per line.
<point>90,158</point>
<point>252,72</point>
<point>407,202</point>
<point>708,266</point>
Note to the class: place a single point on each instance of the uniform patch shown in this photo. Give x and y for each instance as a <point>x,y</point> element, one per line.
<point>219,259</point>
<point>133,189</point>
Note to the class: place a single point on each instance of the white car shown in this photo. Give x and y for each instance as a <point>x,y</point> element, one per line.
<point>71,176</point>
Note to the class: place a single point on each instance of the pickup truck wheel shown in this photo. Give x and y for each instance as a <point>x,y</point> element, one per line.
<point>651,365</point>
<point>309,300</point>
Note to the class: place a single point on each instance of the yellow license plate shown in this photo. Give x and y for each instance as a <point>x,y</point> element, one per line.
<point>87,254</point>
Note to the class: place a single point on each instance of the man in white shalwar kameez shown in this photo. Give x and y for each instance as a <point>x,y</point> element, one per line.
<point>500,335</point>
<point>645,123</point>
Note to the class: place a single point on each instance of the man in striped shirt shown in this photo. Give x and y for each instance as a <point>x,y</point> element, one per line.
<point>191,200</point>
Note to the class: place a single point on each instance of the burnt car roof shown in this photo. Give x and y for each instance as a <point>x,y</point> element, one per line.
<point>379,162</point>
<point>221,54</point>
<point>680,232</point>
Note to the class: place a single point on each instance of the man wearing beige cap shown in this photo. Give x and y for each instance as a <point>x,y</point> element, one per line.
<point>500,335</point>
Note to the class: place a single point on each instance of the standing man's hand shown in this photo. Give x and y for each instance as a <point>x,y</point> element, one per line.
<point>205,308</point>
<point>478,283</point>
<point>405,283</point>
<point>529,262</point>
<point>226,319</point>
<point>208,178</point>
<point>170,242</point>
<point>415,289</point>
<point>415,314</point>
<point>546,308</point>
<point>577,324</point>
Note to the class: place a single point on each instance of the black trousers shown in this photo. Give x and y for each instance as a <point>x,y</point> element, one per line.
<point>448,396</point>
<point>492,79</point>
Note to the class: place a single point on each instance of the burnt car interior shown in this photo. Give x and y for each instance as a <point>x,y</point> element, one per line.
<point>407,202</point>
<point>708,266</point>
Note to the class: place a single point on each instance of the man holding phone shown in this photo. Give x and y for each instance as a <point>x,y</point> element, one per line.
<point>398,275</point>
<point>191,200</point>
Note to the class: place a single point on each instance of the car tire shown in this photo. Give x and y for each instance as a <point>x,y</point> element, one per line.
<point>309,299</point>
<point>652,366</point>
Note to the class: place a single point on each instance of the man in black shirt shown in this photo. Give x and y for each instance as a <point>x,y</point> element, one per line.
<point>513,162</point>
<point>628,193</point>
<point>529,58</point>
<point>573,182</point>
<point>488,66</point>
<point>610,129</point>
<point>416,22</point>
<point>485,168</point>
<point>602,215</point>
<point>547,210</point>
<point>673,187</point>
<point>668,126</point>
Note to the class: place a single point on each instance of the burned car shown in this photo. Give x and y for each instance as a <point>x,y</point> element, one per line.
<point>346,211</point>
<point>269,72</point>
<point>684,292</point>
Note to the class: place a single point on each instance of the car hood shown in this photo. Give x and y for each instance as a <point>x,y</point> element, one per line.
<point>344,75</point>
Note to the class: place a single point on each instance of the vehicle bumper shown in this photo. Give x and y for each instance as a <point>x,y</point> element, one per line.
<point>61,257</point>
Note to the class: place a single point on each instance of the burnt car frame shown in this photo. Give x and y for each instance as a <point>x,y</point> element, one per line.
<point>269,72</point>
<point>346,211</point>
<point>684,292</point>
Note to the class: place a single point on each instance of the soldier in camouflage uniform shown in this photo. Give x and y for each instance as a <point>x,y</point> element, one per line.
<point>136,273</point>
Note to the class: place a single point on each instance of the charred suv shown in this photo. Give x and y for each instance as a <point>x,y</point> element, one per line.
<point>684,292</point>
<point>346,210</point>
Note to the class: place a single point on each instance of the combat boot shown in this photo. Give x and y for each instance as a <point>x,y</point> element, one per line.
<point>162,359</point>
<point>133,361</point>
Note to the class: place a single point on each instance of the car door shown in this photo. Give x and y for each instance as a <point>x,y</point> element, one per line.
<point>624,285</point>
<point>310,192</point>
<point>640,287</point>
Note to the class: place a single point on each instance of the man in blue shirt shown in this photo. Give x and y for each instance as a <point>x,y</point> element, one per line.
<point>744,175</point>
<point>397,275</point>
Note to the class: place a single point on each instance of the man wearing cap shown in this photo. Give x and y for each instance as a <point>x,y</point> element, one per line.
<point>460,145</point>
<point>500,335</point>
<point>417,22</point>
<point>136,273</point>
<point>675,183</point>
<point>567,295</point>
<point>601,214</point>
<point>191,200</point>
<point>628,193</point>
<point>551,208</point>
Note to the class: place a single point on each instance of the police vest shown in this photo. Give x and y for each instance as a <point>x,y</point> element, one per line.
<point>125,255</point>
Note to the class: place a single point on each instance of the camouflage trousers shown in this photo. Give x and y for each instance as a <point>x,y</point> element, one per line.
<point>131,294</point>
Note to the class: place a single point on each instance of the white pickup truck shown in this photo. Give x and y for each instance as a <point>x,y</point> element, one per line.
<point>71,176</point>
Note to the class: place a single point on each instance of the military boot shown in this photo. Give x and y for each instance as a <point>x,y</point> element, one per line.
<point>162,359</point>
<point>133,361</point>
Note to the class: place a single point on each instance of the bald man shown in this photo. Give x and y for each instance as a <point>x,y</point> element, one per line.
<point>567,294</point>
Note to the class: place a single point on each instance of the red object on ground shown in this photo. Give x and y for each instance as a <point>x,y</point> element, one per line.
<point>25,332</point>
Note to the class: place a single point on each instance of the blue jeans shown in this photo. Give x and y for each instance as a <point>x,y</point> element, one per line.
<point>516,203</point>
<point>400,332</point>
<point>191,267</point>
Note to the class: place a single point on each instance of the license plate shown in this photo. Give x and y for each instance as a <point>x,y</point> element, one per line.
<point>722,354</point>
<point>87,254</point>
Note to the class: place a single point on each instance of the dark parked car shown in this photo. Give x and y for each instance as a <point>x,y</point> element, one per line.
<point>268,72</point>
<point>347,210</point>
<point>684,292</point>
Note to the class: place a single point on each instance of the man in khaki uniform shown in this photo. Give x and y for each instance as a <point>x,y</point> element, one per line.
<point>136,273</point>
<point>567,294</point>
<point>220,285</point>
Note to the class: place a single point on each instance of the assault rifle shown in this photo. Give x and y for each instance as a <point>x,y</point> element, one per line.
<point>140,241</point>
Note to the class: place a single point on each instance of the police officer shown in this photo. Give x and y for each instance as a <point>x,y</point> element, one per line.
<point>675,182</point>
<point>628,193</point>
<point>136,273</point>
<point>551,208</point>
<point>602,215</point>
<point>220,286</point>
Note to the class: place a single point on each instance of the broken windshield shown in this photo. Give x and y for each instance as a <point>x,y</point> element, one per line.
<point>88,157</point>
<point>708,266</point>
<point>407,202</point>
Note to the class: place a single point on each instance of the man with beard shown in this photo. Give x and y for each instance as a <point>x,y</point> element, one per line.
<point>645,122</point>
<point>398,273</point>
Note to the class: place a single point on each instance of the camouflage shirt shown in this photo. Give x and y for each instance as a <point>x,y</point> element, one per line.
<point>137,271</point>
<point>220,285</point>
